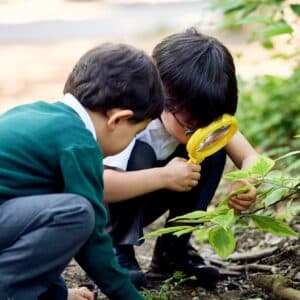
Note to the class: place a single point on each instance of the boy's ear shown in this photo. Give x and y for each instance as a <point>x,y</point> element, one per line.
<point>116,115</point>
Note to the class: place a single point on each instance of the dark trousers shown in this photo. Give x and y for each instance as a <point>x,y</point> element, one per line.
<point>39,235</point>
<point>128,218</point>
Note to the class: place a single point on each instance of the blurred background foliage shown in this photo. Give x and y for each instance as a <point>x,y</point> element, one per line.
<point>269,108</point>
<point>39,47</point>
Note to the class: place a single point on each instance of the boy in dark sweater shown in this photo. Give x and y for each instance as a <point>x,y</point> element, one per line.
<point>51,195</point>
<point>153,175</point>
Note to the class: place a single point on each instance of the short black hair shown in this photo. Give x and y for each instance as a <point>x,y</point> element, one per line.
<point>198,73</point>
<point>117,76</point>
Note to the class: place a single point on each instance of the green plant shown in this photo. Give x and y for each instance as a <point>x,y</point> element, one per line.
<point>269,113</point>
<point>168,285</point>
<point>271,17</point>
<point>273,186</point>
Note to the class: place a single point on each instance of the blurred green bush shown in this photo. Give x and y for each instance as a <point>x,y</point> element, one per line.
<point>269,110</point>
<point>269,106</point>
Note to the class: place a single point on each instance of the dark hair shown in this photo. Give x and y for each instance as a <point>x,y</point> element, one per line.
<point>198,74</point>
<point>117,75</point>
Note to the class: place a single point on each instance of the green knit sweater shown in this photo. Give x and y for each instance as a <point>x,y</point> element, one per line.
<point>45,148</point>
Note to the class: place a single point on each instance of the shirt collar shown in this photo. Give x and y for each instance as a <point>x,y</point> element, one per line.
<point>72,102</point>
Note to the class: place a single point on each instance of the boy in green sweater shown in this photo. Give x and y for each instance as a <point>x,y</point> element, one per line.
<point>51,196</point>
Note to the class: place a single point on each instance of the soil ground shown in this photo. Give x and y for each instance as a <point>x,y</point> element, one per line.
<point>236,283</point>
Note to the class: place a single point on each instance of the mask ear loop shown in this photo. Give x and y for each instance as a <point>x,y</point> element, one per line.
<point>197,153</point>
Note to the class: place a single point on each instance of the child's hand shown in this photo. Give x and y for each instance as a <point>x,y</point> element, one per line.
<point>81,293</point>
<point>181,176</point>
<point>244,200</point>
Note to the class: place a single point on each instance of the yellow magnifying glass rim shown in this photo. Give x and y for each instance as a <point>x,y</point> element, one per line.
<point>196,156</point>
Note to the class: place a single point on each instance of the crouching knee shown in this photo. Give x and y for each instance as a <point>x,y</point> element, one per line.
<point>83,215</point>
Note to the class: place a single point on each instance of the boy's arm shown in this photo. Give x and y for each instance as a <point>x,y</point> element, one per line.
<point>177,175</point>
<point>123,185</point>
<point>241,151</point>
<point>243,155</point>
<point>82,174</point>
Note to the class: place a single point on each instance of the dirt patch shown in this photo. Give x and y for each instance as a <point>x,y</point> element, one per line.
<point>267,254</point>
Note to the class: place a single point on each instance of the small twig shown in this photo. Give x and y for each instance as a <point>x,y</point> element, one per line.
<point>226,272</point>
<point>233,268</point>
<point>216,261</point>
<point>255,267</point>
<point>247,274</point>
<point>252,255</point>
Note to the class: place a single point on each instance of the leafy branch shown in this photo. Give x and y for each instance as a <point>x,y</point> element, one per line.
<point>219,225</point>
<point>295,191</point>
<point>275,17</point>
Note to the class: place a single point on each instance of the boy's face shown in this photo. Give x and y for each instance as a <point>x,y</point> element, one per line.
<point>178,125</point>
<point>124,134</point>
<point>119,131</point>
<point>114,130</point>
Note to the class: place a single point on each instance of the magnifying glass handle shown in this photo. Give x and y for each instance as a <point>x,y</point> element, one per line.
<point>195,161</point>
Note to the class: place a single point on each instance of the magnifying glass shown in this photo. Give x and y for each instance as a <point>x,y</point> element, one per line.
<point>208,140</point>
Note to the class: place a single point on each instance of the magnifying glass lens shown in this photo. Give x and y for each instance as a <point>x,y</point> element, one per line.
<point>214,137</point>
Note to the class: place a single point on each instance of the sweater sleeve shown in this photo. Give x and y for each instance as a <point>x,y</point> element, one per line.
<point>82,173</point>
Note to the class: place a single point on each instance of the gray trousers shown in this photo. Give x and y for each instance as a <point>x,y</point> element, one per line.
<point>39,235</point>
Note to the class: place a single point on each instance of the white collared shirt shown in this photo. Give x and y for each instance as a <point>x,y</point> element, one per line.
<point>72,102</point>
<point>156,136</point>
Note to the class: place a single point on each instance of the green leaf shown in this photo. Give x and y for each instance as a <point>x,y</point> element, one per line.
<point>225,221</point>
<point>184,231</point>
<point>242,174</point>
<point>254,19</point>
<point>261,166</point>
<point>267,44</point>
<point>273,225</point>
<point>277,28</point>
<point>202,234</point>
<point>199,216</point>
<point>232,6</point>
<point>281,55</point>
<point>222,241</point>
<point>165,231</point>
<point>193,215</point>
<point>277,178</point>
<point>251,7</point>
<point>295,8</point>
<point>274,196</point>
<point>274,176</point>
